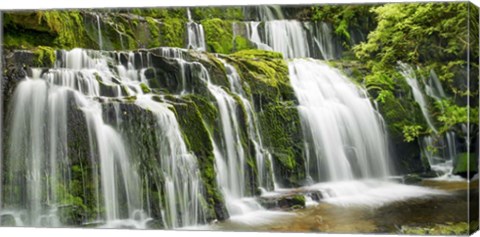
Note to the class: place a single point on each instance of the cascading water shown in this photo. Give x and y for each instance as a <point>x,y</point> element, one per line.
<point>99,28</point>
<point>195,36</point>
<point>262,156</point>
<point>409,75</point>
<point>294,39</point>
<point>440,150</point>
<point>345,137</point>
<point>287,37</point>
<point>39,123</point>
<point>230,155</point>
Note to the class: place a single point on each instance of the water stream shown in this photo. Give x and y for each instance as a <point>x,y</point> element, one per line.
<point>345,135</point>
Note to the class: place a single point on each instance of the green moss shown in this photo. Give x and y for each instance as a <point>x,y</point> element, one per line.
<point>257,54</point>
<point>241,43</point>
<point>62,29</point>
<point>465,162</point>
<point>145,88</point>
<point>199,141</point>
<point>224,13</point>
<point>218,35</point>
<point>154,32</point>
<point>160,13</point>
<point>172,32</point>
<point>207,110</point>
<point>299,200</point>
<point>266,74</point>
<point>44,56</point>
<point>68,25</point>
<point>281,130</point>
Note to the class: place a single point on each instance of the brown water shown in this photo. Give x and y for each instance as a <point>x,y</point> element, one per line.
<point>425,212</point>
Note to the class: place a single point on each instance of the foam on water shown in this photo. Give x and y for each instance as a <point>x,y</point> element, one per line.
<point>370,193</point>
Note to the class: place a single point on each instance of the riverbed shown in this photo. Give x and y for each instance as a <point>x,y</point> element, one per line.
<point>430,214</point>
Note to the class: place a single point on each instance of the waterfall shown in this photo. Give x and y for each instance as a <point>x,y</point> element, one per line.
<point>325,46</point>
<point>100,40</point>
<point>439,149</point>
<point>230,155</point>
<point>179,166</point>
<point>252,33</point>
<point>409,74</point>
<point>287,37</point>
<point>294,39</point>
<point>39,160</point>
<point>345,136</point>
<point>229,152</point>
<point>262,156</point>
<point>195,36</point>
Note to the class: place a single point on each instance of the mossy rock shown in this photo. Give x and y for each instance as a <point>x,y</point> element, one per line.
<point>45,56</point>
<point>218,35</point>
<point>465,165</point>
<point>7,220</point>
<point>266,74</point>
<point>283,135</point>
<point>283,202</point>
<point>173,32</point>
<point>199,141</point>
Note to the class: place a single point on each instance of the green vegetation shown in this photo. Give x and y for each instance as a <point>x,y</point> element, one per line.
<point>432,35</point>
<point>59,29</point>
<point>224,13</point>
<point>465,163</point>
<point>45,56</point>
<point>345,19</point>
<point>198,139</point>
<point>218,35</point>
<point>172,32</point>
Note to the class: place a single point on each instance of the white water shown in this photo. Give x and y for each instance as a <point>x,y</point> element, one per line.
<point>100,40</point>
<point>230,155</point>
<point>195,34</point>
<point>294,39</point>
<point>440,150</point>
<point>287,37</point>
<point>39,123</point>
<point>262,155</point>
<point>370,193</point>
<point>254,36</point>
<point>345,137</point>
<point>322,38</point>
<point>411,78</point>
<point>179,167</point>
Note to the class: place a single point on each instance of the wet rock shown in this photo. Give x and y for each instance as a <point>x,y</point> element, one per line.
<point>411,179</point>
<point>70,215</point>
<point>283,202</point>
<point>7,220</point>
<point>465,165</point>
<point>155,224</point>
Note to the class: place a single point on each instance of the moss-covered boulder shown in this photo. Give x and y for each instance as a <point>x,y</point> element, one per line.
<point>283,202</point>
<point>465,165</point>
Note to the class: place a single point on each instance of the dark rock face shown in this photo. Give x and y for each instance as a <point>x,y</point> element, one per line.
<point>15,65</point>
<point>407,157</point>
